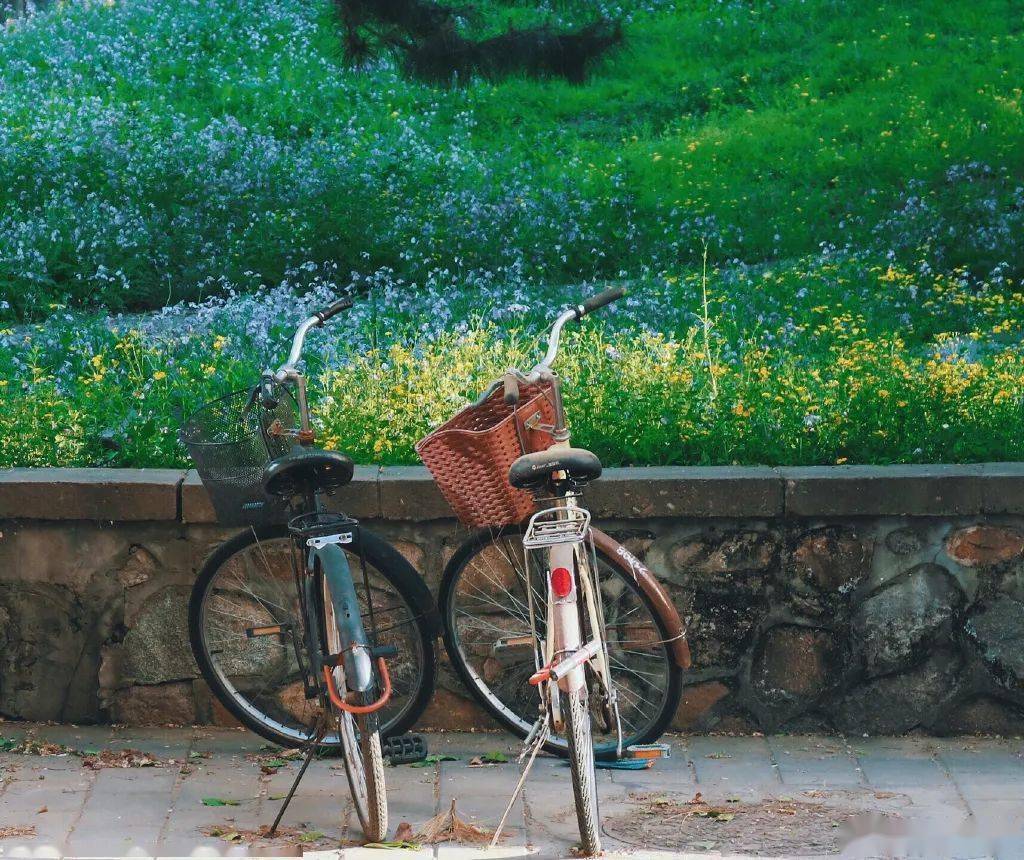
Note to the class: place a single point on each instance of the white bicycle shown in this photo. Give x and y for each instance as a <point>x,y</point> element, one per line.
<point>569,613</point>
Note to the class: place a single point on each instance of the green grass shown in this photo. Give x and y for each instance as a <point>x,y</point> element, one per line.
<point>855,172</point>
<point>160,152</point>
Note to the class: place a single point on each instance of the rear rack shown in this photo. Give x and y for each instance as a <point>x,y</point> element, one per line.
<point>555,526</point>
<point>320,528</point>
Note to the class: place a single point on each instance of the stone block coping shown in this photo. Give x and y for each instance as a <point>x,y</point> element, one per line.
<point>407,493</point>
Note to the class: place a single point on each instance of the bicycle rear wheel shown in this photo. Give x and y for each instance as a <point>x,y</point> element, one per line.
<point>489,641</point>
<point>247,586</point>
<point>580,752</point>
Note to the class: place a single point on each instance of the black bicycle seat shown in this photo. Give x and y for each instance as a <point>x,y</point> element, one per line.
<point>533,471</point>
<point>307,469</point>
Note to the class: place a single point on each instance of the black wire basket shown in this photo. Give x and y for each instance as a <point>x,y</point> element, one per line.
<point>231,440</point>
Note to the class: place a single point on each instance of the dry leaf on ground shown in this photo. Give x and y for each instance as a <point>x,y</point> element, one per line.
<point>448,827</point>
<point>120,758</point>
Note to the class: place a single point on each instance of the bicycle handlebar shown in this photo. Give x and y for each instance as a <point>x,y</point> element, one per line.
<point>316,320</point>
<point>336,308</point>
<point>511,379</point>
<point>597,302</point>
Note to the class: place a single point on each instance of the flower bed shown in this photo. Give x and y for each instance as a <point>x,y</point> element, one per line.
<point>824,361</point>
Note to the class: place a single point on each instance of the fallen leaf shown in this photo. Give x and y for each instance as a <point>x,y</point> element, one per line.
<point>403,832</point>
<point>401,844</point>
<point>16,830</point>
<point>696,799</point>
<point>495,757</point>
<point>310,836</point>
<point>41,810</point>
<point>119,758</point>
<point>217,801</point>
<point>432,760</point>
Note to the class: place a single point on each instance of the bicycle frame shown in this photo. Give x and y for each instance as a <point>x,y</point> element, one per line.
<point>572,597</point>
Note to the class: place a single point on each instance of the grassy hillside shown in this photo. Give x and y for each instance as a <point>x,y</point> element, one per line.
<point>154,152</point>
<point>855,172</point>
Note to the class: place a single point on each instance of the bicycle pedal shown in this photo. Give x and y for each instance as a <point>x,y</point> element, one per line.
<point>404,749</point>
<point>624,764</point>
<point>648,751</point>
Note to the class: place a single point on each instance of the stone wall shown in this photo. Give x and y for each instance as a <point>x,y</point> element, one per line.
<point>873,600</point>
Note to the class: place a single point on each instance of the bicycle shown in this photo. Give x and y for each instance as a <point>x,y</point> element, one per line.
<point>542,601</point>
<point>286,639</point>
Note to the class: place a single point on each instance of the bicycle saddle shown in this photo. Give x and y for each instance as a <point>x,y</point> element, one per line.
<point>305,469</point>
<point>533,471</point>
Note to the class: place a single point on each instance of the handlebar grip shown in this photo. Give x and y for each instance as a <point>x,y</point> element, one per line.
<point>600,300</point>
<point>511,389</point>
<point>339,306</point>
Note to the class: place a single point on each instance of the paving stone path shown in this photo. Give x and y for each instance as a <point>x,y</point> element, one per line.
<point>875,797</point>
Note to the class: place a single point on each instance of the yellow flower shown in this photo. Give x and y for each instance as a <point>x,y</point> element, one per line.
<point>159,375</point>
<point>97,360</point>
<point>219,341</point>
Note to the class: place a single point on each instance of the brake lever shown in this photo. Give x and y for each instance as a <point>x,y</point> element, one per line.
<point>268,392</point>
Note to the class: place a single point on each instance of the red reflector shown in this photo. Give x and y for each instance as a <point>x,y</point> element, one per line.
<point>561,581</point>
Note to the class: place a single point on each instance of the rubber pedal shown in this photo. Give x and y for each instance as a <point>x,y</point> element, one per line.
<point>648,751</point>
<point>624,764</point>
<point>404,749</point>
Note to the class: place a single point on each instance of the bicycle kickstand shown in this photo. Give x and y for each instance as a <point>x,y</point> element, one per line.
<point>534,741</point>
<point>312,744</point>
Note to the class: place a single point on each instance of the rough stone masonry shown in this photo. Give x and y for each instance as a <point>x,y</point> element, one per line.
<point>870,601</point>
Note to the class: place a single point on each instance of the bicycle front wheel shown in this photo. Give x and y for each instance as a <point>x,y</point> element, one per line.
<point>360,740</point>
<point>246,593</point>
<point>490,643</point>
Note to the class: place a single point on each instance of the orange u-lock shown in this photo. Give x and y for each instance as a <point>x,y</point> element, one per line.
<point>332,691</point>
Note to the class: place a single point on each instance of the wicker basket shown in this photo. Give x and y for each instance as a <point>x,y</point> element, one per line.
<point>470,455</point>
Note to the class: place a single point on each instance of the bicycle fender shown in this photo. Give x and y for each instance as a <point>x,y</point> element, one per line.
<point>655,591</point>
<point>338,573</point>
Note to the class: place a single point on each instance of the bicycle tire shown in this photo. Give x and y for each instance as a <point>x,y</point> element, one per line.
<point>360,740</point>
<point>387,561</point>
<point>580,752</point>
<point>502,712</point>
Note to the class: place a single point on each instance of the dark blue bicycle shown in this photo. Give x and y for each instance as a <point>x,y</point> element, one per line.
<point>309,629</point>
